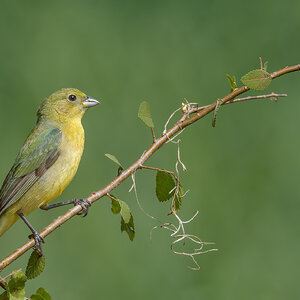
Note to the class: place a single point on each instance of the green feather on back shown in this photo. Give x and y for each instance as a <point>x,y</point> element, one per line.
<point>38,154</point>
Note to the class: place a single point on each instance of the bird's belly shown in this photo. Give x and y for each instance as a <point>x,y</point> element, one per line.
<point>50,185</point>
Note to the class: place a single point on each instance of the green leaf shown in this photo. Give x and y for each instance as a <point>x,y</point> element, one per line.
<point>16,286</point>
<point>177,199</point>
<point>232,82</point>
<point>41,294</point>
<point>36,297</point>
<point>41,291</point>
<point>115,160</point>
<point>115,205</point>
<point>164,184</point>
<point>257,80</point>
<point>128,227</point>
<point>36,265</point>
<point>125,211</point>
<point>145,115</point>
<point>119,206</point>
<point>4,296</point>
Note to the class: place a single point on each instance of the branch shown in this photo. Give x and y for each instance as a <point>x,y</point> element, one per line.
<point>271,96</point>
<point>188,117</point>
<point>161,170</point>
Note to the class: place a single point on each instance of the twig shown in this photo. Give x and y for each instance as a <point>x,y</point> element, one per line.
<point>261,63</point>
<point>3,283</point>
<point>153,135</point>
<point>272,95</point>
<point>3,280</point>
<point>184,121</point>
<point>161,170</point>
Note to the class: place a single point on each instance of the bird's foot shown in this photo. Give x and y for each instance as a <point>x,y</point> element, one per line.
<point>85,204</point>
<point>38,241</point>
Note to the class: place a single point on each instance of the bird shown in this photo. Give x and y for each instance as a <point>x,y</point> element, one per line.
<point>47,162</point>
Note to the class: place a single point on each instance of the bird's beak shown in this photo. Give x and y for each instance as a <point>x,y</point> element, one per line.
<point>89,102</point>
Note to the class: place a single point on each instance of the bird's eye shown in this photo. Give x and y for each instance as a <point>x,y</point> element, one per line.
<point>72,97</point>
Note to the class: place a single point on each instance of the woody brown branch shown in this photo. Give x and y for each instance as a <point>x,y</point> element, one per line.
<point>184,121</point>
<point>160,170</point>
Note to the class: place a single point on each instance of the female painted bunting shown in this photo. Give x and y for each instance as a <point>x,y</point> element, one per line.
<point>48,160</point>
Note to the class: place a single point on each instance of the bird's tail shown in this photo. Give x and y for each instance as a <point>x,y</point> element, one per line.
<point>6,221</point>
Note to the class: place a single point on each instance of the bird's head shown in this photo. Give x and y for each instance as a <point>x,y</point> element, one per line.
<point>65,104</point>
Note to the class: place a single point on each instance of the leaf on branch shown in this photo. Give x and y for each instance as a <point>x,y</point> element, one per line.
<point>16,286</point>
<point>164,184</point>
<point>4,296</point>
<point>166,187</point>
<point>257,80</point>
<point>125,212</point>
<point>232,82</point>
<point>41,294</point>
<point>120,207</point>
<point>115,205</point>
<point>145,115</point>
<point>128,227</point>
<point>116,161</point>
<point>177,199</point>
<point>35,265</point>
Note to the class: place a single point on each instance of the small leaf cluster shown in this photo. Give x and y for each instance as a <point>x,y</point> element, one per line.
<point>167,188</point>
<point>257,80</point>
<point>232,82</point>
<point>120,207</point>
<point>15,289</point>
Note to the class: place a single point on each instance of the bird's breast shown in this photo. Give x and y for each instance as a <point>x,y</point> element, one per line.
<point>60,174</point>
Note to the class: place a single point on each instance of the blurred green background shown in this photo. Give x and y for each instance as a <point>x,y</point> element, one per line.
<point>243,175</point>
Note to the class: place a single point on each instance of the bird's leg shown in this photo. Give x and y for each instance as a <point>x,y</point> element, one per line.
<point>35,235</point>
<point>50,206</point>
<point>84,203</point>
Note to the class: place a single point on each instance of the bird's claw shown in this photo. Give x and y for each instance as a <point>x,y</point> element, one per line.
<point>85,204</point>
<point>38,239</point>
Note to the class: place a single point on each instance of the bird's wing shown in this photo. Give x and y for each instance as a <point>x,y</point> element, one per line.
<point>37,155</point>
